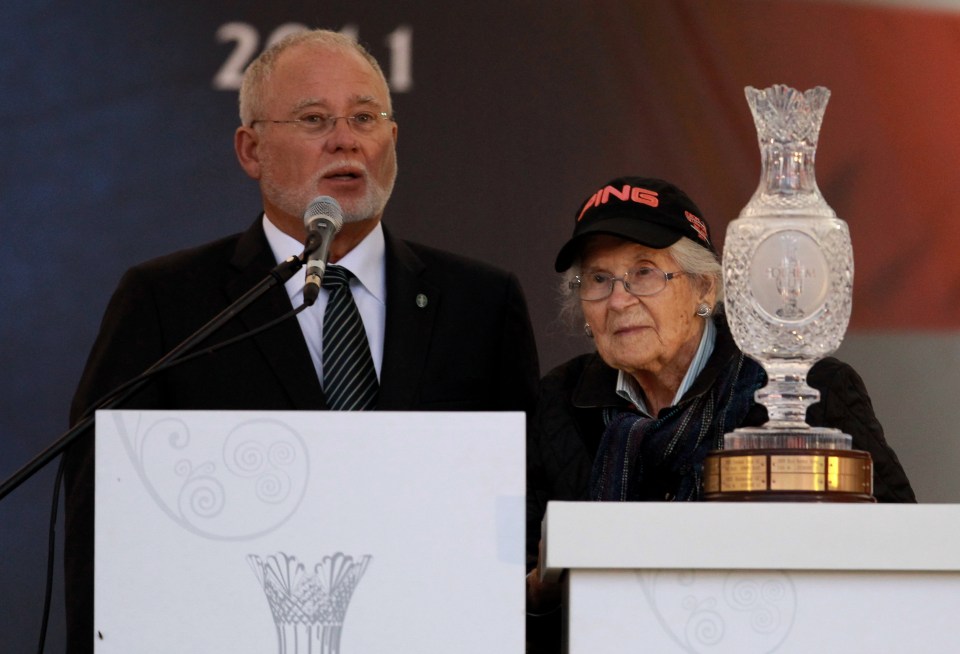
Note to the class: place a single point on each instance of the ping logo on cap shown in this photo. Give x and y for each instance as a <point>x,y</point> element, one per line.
<point>626,194</point>
<point>698,225</point>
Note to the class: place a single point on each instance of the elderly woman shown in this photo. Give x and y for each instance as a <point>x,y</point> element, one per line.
<point>635,419</point>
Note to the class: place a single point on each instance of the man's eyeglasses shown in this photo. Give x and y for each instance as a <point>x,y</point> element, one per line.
<point>639,282</point>
<point>362,122</point>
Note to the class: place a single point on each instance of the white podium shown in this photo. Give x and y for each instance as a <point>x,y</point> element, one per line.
<point>756,577</point>
<point>309,532</point>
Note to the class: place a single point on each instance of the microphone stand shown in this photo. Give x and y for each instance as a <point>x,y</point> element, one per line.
<point>278,275</point>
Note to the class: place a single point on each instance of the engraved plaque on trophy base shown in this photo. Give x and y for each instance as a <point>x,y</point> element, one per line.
<point>788,475</point>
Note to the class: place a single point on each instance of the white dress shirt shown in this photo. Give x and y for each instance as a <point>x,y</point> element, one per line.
<point>366,261</point>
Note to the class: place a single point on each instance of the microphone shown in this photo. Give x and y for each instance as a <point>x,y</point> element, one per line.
<point>323,219</point>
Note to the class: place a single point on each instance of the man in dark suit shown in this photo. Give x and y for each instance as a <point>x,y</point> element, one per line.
<point>444,332</point>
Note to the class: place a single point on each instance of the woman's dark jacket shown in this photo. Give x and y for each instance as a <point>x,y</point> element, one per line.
<point>567,425</point>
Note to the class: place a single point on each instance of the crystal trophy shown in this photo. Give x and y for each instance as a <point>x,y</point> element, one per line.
<point>788,281</point>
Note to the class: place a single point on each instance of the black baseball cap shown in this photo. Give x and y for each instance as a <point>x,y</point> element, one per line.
<point>645,210</point>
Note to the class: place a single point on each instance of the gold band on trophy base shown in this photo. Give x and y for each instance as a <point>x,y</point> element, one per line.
<point>788,475</point>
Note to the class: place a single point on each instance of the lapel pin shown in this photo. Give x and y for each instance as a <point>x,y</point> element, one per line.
<point>421,300</point>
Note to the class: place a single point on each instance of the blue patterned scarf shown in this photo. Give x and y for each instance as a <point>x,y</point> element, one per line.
<point>657,459</point>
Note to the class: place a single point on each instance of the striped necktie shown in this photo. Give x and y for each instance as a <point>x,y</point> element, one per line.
<point>349,377</point>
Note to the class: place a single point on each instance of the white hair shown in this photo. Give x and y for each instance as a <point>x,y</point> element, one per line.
<point>260,70</point>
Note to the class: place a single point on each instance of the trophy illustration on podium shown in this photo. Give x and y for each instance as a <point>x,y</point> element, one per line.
<point>309,606</point>
<point>788,281</point>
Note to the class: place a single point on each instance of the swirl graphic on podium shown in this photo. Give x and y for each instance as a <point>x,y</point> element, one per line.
<point>751,611</point>
<point>308,607</point>
<point>230,485</point>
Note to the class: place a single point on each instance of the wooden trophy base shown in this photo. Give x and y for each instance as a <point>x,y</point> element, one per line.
<point>788,475</point>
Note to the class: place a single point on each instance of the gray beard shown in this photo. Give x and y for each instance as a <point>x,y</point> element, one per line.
<point>373,202</point>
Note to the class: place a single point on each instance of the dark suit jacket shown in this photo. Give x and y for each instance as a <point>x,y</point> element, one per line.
<point>469,348</point>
